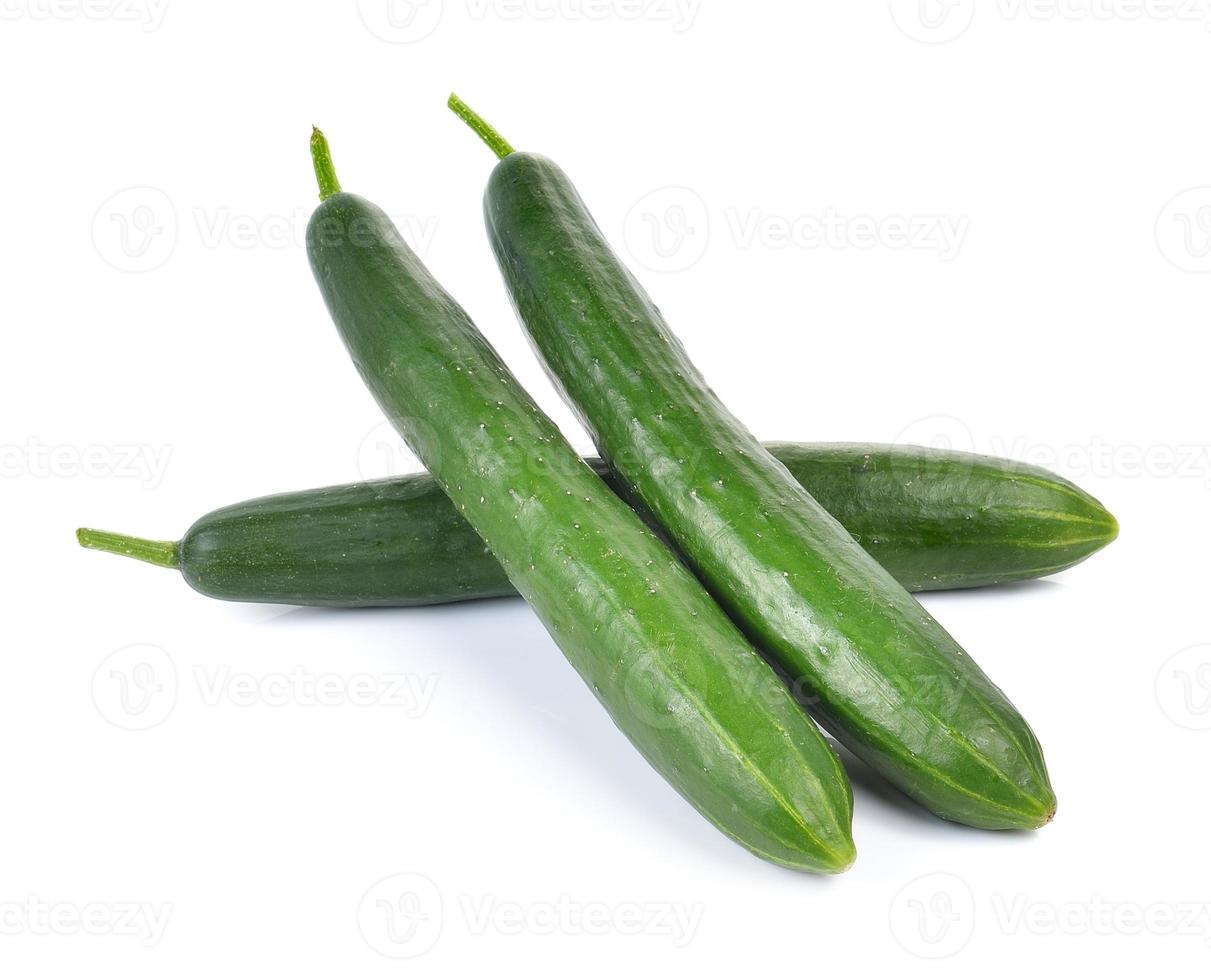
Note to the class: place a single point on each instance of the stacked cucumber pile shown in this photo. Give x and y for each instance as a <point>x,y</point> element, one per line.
<point>715,593</point>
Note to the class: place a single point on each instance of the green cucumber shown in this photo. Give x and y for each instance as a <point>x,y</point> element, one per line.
<point>934,519</point>
<point>877,670</point>
<point>940,519</point>
<point>674,673</point>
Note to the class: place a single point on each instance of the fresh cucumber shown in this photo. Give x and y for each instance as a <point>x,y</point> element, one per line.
<point>940,519</point>
<point>876,668</point>
<point>934,519</point>
<point>675,674</point>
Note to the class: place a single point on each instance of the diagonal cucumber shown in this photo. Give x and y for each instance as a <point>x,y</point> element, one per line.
<point>879,672</point>
<point>674,673</point>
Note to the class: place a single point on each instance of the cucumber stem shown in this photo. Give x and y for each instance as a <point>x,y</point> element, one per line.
<point>166,554</point>
<point>325,172</point>
<point>496,143</point>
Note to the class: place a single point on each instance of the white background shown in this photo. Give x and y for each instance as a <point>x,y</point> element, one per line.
<point>191,364</point>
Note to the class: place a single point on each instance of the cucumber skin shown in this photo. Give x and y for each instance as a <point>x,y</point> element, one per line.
<point>874,667</point>
<point>675,674</point>
<point>398,542</point>
<point>940,519</point>
<point>934,519</point>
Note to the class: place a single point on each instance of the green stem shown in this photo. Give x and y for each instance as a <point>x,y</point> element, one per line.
<point>166,554</point>
<point>325,172</point>
<point>496,143</point>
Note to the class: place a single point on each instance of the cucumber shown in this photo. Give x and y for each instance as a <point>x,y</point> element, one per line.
<point>674,673</point>
<point>877,670</point>
<point>934,519</point>
<point>939,519</point>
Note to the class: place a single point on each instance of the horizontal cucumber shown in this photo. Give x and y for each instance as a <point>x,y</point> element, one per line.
<point>940,519</point>
<point>674,673</point>
<point>934,519</point>
<point>878,671</point>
